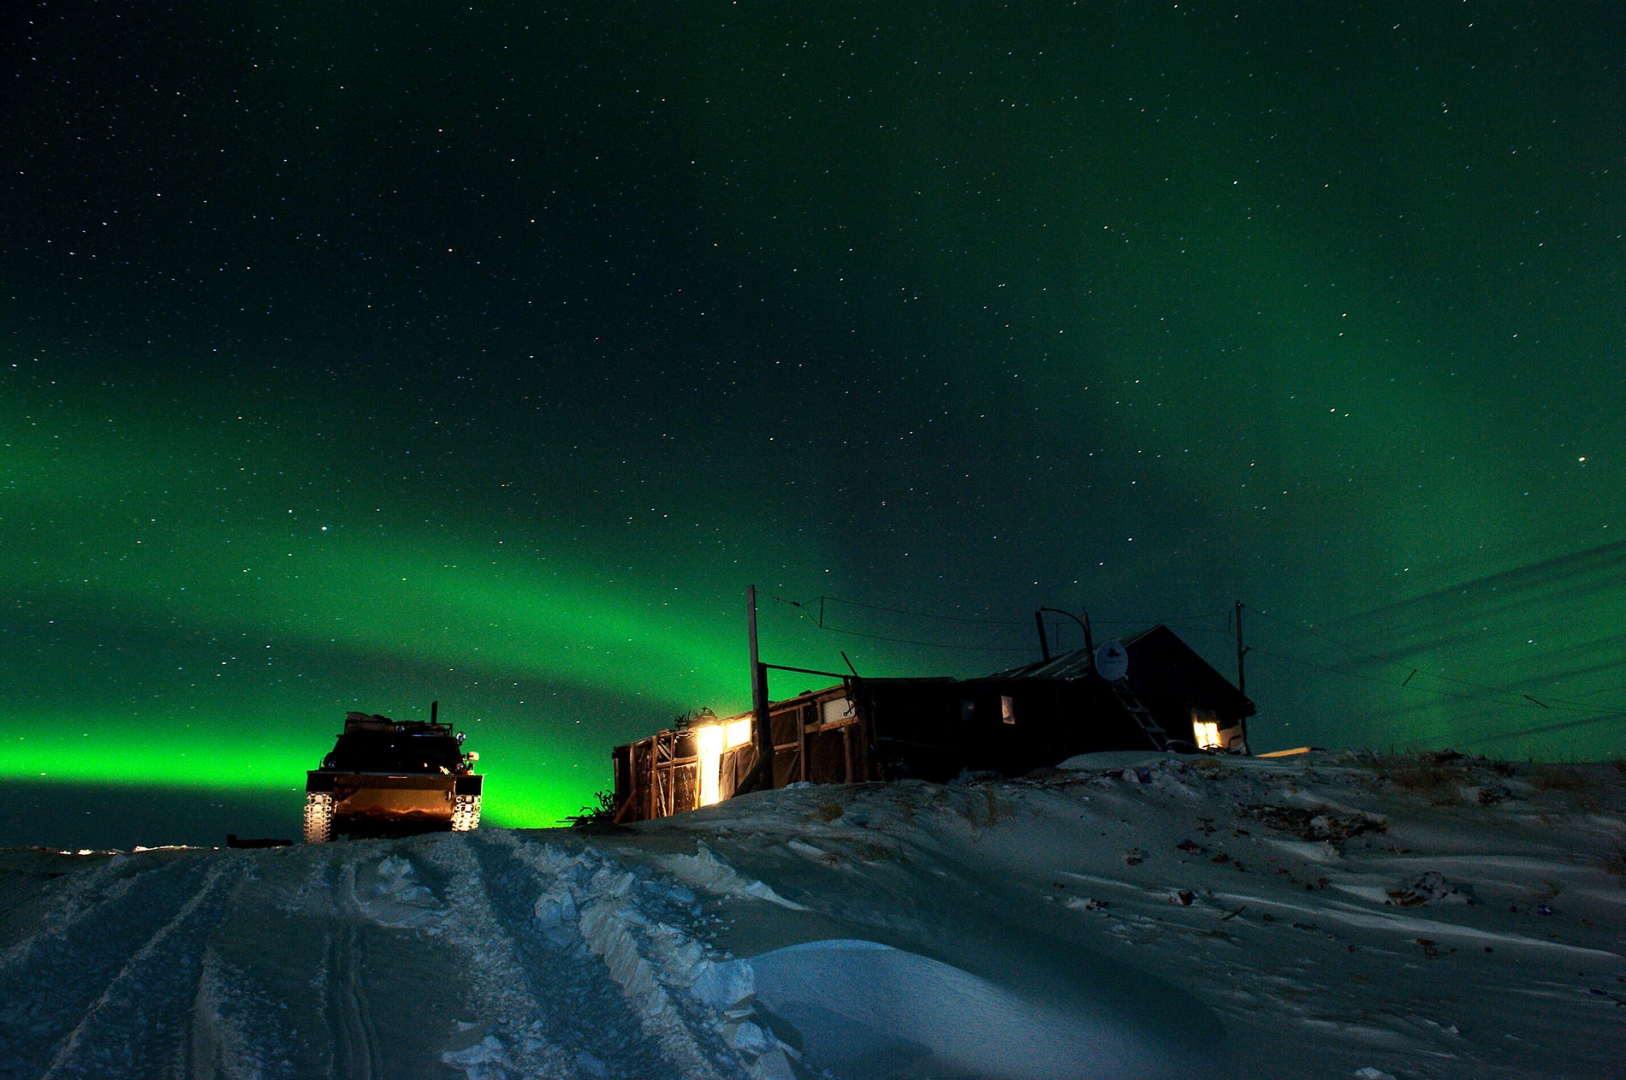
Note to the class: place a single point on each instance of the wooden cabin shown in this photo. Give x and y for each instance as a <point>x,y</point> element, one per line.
<point>817,738</point>
<point>1164,698</point>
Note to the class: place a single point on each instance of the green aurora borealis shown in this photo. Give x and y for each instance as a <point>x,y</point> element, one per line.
<point>351,359</point>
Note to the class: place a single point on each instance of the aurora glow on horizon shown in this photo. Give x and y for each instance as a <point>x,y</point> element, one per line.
<point>353,360</point>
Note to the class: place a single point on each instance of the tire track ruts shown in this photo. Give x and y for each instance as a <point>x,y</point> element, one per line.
<point>60,972</point>
<point>139,1026</point>
<point>597,906</point>
<point>350,1021</point>
<point>590,1010</point>
<point>503,993</point>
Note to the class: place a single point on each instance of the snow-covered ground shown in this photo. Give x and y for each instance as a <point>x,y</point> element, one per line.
<point>1330,915</point>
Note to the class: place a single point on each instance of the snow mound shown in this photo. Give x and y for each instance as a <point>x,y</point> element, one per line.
<point>867,1011</point>
<point>705,870</point>
<point>388,892</point>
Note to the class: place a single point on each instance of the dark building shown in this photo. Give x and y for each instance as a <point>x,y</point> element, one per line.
<point>1167,698</point>
<point>1160,696</point>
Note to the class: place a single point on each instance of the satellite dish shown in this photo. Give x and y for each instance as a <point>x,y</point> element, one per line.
<point>1112,661</point>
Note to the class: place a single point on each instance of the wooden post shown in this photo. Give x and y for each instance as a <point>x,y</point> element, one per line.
<point>1241,651</point>
<point>1241,674</point>
<point>762,775</point>
<point>657,801</point>
<point>671,774</point>
<point>654,777</point>
<point>801,736</point>
<point>632,782</point>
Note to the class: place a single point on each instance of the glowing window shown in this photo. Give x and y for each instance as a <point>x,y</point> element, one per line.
<point>739,733</point>
<point>835,709</point>
<point>1007,708</point>
<point>1207,734</point>
<point>710,740</point>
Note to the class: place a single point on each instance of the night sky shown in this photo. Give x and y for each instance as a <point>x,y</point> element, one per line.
<point>356,357</point>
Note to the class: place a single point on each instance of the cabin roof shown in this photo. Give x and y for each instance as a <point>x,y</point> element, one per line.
<point>1073,664</point>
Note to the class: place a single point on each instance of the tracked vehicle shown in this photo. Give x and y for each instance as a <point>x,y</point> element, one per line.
<point>393,778</point>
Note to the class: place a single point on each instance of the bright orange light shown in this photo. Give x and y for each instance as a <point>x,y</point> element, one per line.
<point>710,740</point>
<point>1207,734</point>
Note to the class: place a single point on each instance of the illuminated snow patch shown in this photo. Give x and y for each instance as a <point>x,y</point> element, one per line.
<point>868,1012</point>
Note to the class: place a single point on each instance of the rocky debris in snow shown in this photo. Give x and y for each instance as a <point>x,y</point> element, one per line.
<point>1427,887</point>
<point>1312,825</point>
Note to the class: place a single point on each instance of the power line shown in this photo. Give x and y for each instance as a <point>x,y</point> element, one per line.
<point>805,607</point>
<point>928,644</point>
<point>1544,729</point>
<point>1546,702</point>
<point>921,614</point>
<point>998,622</point>
<point>1528,702</point>
<point>802,610</point>
<point>1205,630</point>
<point>1386,682</point>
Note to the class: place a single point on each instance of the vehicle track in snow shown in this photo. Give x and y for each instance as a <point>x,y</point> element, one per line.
<point>136,1020</point>
<point>590,1011</point>
<point>350,1023</point>
<point>506,999</point>
<point>67,982</point>
<point>67,898</point>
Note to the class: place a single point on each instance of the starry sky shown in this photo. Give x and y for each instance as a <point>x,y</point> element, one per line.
<point>354,357</point>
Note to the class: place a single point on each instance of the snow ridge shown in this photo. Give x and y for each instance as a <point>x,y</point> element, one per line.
<point>600,901</point>
<point>499,980</point>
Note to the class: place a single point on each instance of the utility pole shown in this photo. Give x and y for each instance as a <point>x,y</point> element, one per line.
<point>1241,651</point>
<point>762,774</point>
<point>1241,674</point>
<point>1044,644</point>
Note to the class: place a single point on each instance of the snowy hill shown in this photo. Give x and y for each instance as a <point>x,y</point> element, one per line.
<point>1319,916</point>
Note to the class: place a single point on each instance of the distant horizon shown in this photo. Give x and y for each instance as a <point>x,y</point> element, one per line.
<point>48,814</point>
